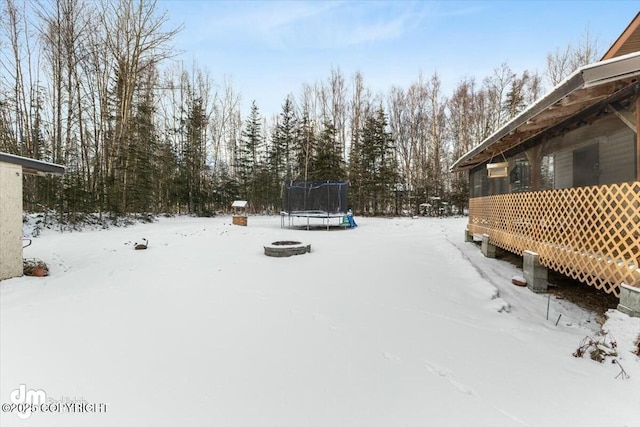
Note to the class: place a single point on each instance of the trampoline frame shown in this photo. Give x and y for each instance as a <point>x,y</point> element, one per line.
<point>324,215</point>
<point>300,209</point>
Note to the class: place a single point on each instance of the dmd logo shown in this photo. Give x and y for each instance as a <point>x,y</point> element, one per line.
<point>25,400</point>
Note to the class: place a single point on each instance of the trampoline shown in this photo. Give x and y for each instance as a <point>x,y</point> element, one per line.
<point>315,201</point>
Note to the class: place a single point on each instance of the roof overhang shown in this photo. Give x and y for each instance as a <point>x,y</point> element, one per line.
<point>588,90</point>
<point>31,166</point>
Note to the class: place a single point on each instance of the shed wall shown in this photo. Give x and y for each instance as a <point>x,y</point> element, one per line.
<point>10,220</point>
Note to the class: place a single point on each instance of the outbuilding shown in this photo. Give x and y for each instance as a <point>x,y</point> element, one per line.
<point>12,169</point>
<point>239,212</point>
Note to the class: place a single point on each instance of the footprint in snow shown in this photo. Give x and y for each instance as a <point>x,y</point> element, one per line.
<point>449,376</point>
<point>321,318</point>
<point>392,357</point>
<point>500,305</point>
<point>59,262</point>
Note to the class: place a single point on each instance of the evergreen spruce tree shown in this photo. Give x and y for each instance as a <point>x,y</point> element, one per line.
<point>193,158</point>
<point>373,166</point>
<point>327,162</point>
<point>357,172</point>
<point>387,165</point>
<point>514,102</point>
<point>166,178</point>
<point>142,151</point>
<point>283,140</point>
<point>281,152</point>
<point>304,149</point>
<point>249,155</point>
<point>225,187</point>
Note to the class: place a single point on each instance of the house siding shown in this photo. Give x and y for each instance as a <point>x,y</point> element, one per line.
<point>616,152</point>
<point>617,157</point>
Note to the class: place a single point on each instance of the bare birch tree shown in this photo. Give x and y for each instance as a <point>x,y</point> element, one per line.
<point>562,62</point>
<point>136,41</point>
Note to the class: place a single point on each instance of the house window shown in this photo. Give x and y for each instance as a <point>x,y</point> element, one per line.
<point>520,176</point>
<point>499,186</point>
<point>547,173</point>
<point>586,166</point>
<point>479,183</point>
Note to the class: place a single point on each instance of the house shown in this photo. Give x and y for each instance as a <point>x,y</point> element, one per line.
<point>560,182</point>
<point>12,168</point>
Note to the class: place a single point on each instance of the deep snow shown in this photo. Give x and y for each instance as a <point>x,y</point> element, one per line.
<point>397,322</point>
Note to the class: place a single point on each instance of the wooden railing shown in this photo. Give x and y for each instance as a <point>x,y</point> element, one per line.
<point>591,234</point>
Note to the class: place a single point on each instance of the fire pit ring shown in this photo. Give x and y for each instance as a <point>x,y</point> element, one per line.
<point>285,248</point>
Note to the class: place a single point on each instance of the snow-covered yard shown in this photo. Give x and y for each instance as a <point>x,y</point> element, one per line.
<point>398,322</point>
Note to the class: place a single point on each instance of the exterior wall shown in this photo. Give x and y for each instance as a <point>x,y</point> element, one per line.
<point>587,225</point>
<point>613,146</point>
<point>617,160</point>
<point>10,220</point>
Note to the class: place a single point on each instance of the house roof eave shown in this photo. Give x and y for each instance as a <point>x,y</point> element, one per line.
<point>31,166</point>
<point>586,78</point>
<point>555,95</point>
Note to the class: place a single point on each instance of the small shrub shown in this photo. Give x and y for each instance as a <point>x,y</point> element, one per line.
<point>599,349</point>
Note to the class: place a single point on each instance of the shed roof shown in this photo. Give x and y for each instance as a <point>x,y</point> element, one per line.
<point>239,204</point>
<point>586,91</point>
<point>31,166</point>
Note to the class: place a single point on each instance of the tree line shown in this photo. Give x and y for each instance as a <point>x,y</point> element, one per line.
<point>94,86</point>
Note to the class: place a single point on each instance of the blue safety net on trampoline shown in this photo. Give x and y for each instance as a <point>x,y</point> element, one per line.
<point>315,197</point>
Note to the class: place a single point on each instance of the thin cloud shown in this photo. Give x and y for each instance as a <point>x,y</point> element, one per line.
<point>349,24</point>
<point>285,15</point>
<point>391,27</point>
<point>323,25</point>
<point>264,20</point>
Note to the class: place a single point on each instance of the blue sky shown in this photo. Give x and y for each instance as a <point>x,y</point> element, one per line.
<point>271,48</point>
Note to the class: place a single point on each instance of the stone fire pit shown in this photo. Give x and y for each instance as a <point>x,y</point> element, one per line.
<point>284,248</point>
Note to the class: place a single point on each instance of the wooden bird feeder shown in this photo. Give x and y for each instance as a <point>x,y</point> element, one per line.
<point>497,170</point>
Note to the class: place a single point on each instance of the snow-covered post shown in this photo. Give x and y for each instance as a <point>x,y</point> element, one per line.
<point>629,300</point>
<point>535,274</point>
<point>468,237</point>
